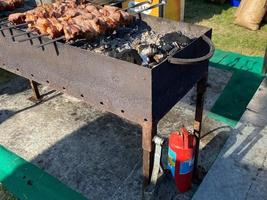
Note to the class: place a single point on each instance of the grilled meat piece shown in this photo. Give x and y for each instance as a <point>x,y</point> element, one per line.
<point>10,4</point>
<point>111,9</point>
<point>55,29</point>
<point>41,25</point>
<point>70,29</point>
<point>127,18</point>
<point>72,20</point>
<point>17,18</point>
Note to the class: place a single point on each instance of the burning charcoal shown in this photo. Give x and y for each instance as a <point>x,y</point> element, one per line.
<point>129,55</point>
<point>89,47</point>
<point>145,59</point>
<point>166,47</point>
<point>148,50</point>
<point>137,44</point>
<point>159,57</point>
<point>102,48</point>
<point>107,46</point>
<point>123,47</point>
<point>123,31</point>
<point>179,46</point>
<point>98,50</point>
<point>150,38</point>
<point>175,38</point>
<point>95,42</point>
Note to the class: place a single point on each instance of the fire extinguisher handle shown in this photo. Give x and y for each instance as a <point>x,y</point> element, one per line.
<point>185,137</point>
<point>188,61</point>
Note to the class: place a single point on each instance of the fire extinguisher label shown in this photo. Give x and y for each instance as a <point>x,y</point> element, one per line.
<point>186,166</point>
<point>171,161</point>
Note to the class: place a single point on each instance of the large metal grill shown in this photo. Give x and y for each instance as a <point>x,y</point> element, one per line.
<point>139,94</point>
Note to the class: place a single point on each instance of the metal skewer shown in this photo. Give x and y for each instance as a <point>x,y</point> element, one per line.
<point>13,26</point>
<point>20,34</point>
<point>116,3</point>
<point>51,41</point>
<point>3,19</point>
<point>3,23</point>
<point>102,3</point>
<point>33,37</point>
<point>136,5</point>
<point>151,7</point>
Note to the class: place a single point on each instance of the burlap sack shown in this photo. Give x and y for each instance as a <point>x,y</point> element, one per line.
<point>240,7</point>
<point>251,13</point>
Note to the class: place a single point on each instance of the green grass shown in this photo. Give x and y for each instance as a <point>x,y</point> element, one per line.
<point>226,35</point>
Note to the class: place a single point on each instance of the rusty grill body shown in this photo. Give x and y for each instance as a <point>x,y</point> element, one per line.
<point>137,93</point>
<point>131,91</point>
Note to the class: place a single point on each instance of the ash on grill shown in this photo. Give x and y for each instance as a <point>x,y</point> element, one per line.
<point>137,44</point>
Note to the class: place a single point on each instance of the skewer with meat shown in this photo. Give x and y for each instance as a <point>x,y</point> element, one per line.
<point>117,15</point>
<point>112,16</point>
<point>72,20</point>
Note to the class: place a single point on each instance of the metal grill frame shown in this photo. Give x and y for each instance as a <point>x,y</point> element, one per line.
<point>141,95</point>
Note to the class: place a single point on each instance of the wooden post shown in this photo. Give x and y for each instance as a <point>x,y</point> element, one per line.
<point>182,6</point>
<point>201,88</point>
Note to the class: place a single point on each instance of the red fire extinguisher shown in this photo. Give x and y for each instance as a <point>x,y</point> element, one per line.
<point>181,158</point>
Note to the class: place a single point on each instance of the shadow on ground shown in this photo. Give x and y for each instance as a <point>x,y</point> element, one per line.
<point>98,160</point>
<point>240,171</point>
<point>101,160</point>
<point>7,114</point>
<point>11,83</point>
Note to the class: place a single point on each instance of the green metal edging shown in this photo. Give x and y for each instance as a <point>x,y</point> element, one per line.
<point>26,181</point>
<point>235,61</point>
<point>222,119</point>
<point>246,78</point>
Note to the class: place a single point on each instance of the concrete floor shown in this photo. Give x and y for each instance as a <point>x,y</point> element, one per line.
<point>240,171</point>
<point>94,152</point>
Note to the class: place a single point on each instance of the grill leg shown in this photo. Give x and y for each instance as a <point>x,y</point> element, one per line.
<point>36,94</point>
<point>201,89</point>
<point>149,130</point>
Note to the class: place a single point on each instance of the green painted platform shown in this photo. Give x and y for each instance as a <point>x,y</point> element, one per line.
<point>247,77</point>
<point>28,182</point>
